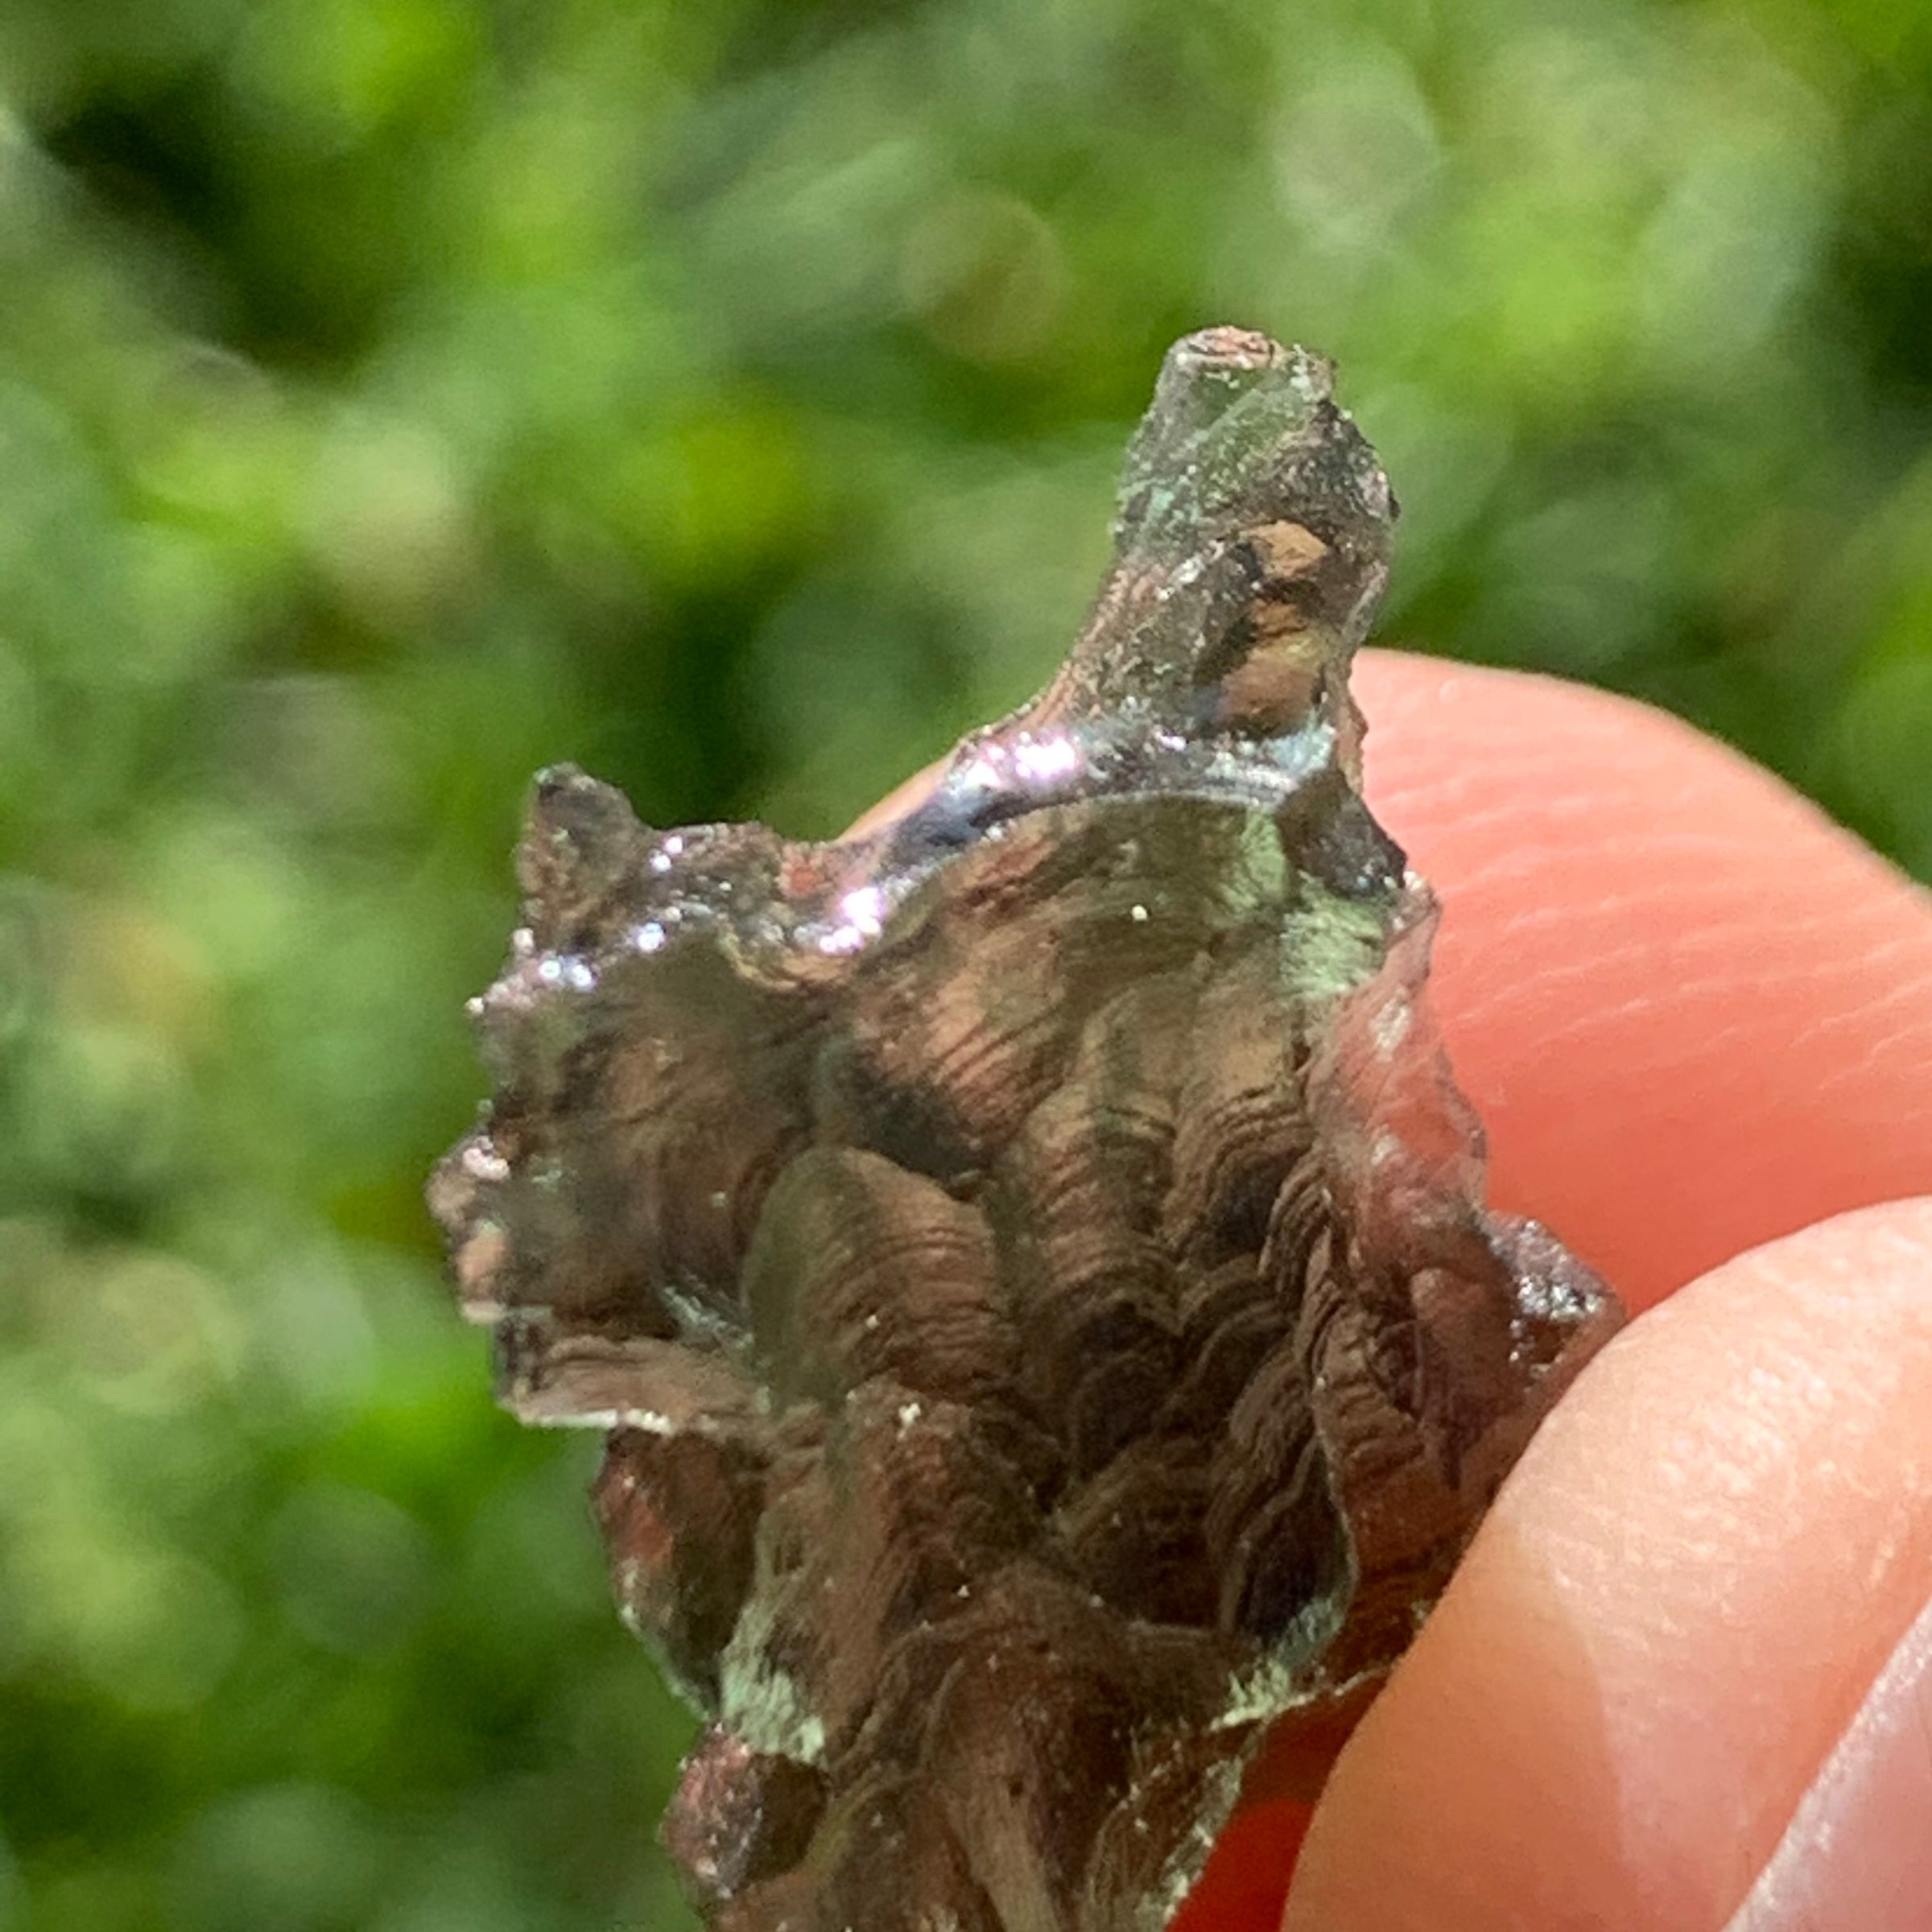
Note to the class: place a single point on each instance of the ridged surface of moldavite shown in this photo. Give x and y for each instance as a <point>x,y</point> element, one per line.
<point>1030,1260</point>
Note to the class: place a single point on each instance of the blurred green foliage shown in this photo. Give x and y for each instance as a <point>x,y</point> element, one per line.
<point>398,394</point>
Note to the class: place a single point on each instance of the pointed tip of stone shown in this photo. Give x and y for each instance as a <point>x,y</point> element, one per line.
<point>580,837</point>
<point>567,802</point>
<point>1242,431</point>
<point>559,776</point>
<point>1227,347</point>
<point>1229,351</point>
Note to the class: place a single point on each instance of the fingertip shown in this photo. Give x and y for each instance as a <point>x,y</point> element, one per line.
<point>1680,1599</point>
<point>1692,1013</point>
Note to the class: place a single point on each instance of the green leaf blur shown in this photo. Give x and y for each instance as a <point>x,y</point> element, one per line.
<point>398,394</point>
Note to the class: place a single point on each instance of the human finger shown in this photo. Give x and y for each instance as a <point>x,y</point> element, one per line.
<point>1669,1623</point>
<point>1692,1013</point>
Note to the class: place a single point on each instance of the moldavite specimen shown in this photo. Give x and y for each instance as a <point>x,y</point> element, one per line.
<point>1029,1258</point>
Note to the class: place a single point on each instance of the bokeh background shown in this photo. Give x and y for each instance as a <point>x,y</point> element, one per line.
<point>398,394</point>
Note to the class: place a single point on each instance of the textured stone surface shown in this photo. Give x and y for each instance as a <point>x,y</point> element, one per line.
<point>1030,1260</point>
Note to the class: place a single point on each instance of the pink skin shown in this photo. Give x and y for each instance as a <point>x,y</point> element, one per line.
<point>1697,1019</point>
<point>1668,1622</point>
<point>1693,1014</point>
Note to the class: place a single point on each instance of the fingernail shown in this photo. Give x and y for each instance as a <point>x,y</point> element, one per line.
<point>1857,1856</point>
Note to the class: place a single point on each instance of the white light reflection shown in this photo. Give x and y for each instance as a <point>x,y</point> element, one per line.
<point>1041,759</point>
<point>864,910</point>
